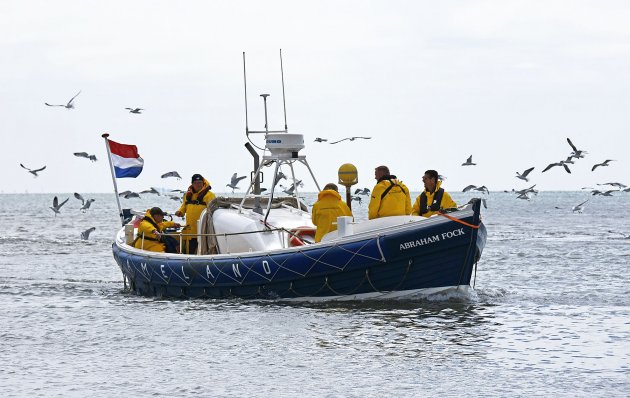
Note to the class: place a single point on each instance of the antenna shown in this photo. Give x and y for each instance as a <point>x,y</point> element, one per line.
<point>283,101</point>
<point>265,100</point>
<point>245,82</point>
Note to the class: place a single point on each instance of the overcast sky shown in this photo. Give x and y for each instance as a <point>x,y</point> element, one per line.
<point>430,82</point>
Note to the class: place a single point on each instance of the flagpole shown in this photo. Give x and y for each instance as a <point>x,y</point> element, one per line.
<point>111,169</point>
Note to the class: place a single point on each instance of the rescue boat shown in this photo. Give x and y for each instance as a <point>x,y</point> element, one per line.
<point>262,247</point>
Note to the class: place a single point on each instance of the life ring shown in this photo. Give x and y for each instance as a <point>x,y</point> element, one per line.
<point>297,234</point>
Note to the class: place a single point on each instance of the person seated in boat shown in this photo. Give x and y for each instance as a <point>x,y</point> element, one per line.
<point>390,197</point>
<point>434,198</point>
<point>328,207</point>
<point>150,231</point>
<point>195,200</point>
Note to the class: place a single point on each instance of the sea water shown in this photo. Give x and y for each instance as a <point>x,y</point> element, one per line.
<point>549,316</point>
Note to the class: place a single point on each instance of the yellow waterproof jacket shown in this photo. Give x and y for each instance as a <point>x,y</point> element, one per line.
<point>446,203</point>
<point>328,207</point>
<point>147,226</point>
<point>193,205</point>
<point>396,202</point>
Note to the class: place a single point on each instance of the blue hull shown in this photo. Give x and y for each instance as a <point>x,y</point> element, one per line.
<point>413,257</point>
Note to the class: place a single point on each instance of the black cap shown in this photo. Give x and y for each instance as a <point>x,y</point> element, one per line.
<point>196,177</point>
<point>156,211</point>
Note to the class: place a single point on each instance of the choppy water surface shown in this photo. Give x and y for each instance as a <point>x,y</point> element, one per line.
<point>550,316</point>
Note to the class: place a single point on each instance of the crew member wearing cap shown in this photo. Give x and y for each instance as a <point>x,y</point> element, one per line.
<point>196,199</point>
<point>150,231</point>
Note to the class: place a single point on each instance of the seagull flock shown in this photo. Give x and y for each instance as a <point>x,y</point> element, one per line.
<point>573,156</point>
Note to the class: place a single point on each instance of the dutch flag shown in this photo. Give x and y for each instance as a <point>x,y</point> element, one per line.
<point>125,159</point>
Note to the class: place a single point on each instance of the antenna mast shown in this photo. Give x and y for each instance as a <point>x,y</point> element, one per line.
<point>283,101</point>
<point>245,82</point>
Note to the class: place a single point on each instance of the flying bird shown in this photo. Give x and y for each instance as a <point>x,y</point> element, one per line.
<point>560,163</point>
<point>596,192</point>
<point>358,199</point>
<point>320,139</point>
<point>135,110</point>
<point>69,105</point>
<point>527,190</point>
<point>279,176</point>
<point>441,177</point>
<point>56,205</point>
<point>482,188</point>
<point>615,184</point>
<point>576,152</point>
<point>33,172</point>
<point>469,162</point>
<point>579,208</point>
<point>604,163</point>
<point>85,235</point>
<point>86,205</point>
<point>151,190</point>
<point>129,194</point>
<point>351,139</point>
<point>78,196</point>
<point>85,155</point>
<point>364,191</point>
<point>234,181</point>
<point>172,174</point>
<point>523,176</point>
<point>290,190</point>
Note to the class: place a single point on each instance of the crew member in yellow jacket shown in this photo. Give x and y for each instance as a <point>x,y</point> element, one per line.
<point>195,200</point>
<point>390,197</point>
<point>433,198</point>
<point>328,207</point>
<point>150,230</point>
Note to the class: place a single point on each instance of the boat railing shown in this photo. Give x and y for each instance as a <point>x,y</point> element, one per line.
<point>224,235</point>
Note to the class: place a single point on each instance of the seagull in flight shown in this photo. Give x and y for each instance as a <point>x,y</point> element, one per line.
<point>33,172</point>
<point>290,190</point>
<point>320,139</point>
<point>85,155</point>
<point>482,189</point>
<point>234,181</point>
<point>129,194</point>
<point>580,208</point>
<point>576,152</point>
<point>85,235</point>
<point>358,199</point>
<point>560,163</point>
<point>596,192</point>
<point>56,205</point>
<point>78,196</point>
<point>364,191</point>
<point>69,105</point>
<point>279,176</point>
<point>604,163</point>
<point>527,190</point>
<point>523,176</point>
<point>87,205</point>
<point>152,190</point>
<point>351,139</point>
<point>469,162</point>
<point>172,174</point>
<point>135,110</point>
